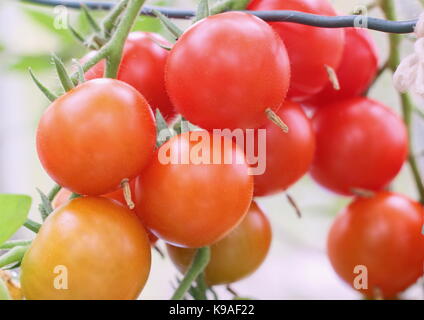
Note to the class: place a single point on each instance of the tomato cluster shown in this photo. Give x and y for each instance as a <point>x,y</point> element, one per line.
<point>227,71</point>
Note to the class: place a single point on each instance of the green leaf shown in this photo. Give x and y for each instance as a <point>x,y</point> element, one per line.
<point>47,21</point>
<point>4,292</point>
<point>35,62</point>
<point>14,210</point>
<point>202,10</point>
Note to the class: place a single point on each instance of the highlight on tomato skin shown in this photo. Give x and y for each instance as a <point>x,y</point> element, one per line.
<point>207,79</point>
<point>237,255</point>
<point>90,241</point>
<point>142,67</point>
<point>360,144</point>
<point>197,202</point>
<point>356,71</point>
<point>310,49</point>
<point>96,135</point>
<point>377,242</point>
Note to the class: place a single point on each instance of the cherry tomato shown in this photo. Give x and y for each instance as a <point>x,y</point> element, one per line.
<point>356,71</point>
<point>226,70</point>
<point>236,256</point>
<point>63,195</point>
<point>288,155</point>
<point>96,135</point>
<point>310,49</point>
<point>197,201</point>
<point>90,248</point>
<point>383,234</point>
<point>360,144</point>
<point>143,67</point>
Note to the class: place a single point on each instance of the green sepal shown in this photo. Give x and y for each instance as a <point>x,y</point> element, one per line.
<point>162,129</point>
<point>45,207</point>
<point>202,10</point>
<point>92,22</point>
<point>169,25</point>
<point>49,95</point>
<point>63,75</point>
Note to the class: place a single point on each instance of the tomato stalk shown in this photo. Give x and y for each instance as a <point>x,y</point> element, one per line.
<point>112,50</point>
<point>115,45</point>
<point>200,261</point>
<point>14,255</point>
<point>389,9</point>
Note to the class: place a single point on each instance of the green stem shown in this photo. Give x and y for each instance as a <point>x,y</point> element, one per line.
<point>32,225</point>
<point>389,9</point>
<point>110,20</point>
<point>116,44</point>
<point>200,261</point>
<point>14,243</point>
<point>14,255</point>
<point>53,192</point>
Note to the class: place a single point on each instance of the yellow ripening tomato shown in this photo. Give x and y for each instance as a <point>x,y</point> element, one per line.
<point>236,256</point>
<point>88,249</point>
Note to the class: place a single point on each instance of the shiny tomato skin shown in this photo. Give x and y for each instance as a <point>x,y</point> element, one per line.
<point>63,195</point>
<point>382,233</point>
<point>226,70</point>
<point>361,144</point>
<point>288,155</point>
<point>96,135</point>
<point>194,205</point>
<point>356,71</point>
<point>102,245</point>
<point>142,67</point>
<point>237,255</point>
<point>309,48</point>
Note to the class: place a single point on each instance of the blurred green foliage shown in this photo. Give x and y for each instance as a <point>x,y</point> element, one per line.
<point>68,46</point>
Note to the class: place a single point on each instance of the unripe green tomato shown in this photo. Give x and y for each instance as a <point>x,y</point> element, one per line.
<point>236,256</point>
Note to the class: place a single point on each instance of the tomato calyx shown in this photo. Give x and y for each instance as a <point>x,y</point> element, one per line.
<point>272,116</point>
<point>126,189</point>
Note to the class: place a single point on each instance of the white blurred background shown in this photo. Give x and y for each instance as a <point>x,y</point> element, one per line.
<point>297,266</point>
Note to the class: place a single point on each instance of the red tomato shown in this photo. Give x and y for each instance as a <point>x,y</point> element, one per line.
<point>382,233</point>
<point>360,144</point>
<point>226,70</point>
<point>236,256</point>
<point>96,135</point>
<point>310,49</point>
<point>194,203</point>
<point>89,249</point>
<point>288,155</point>
<point>356,71</point>
<point>143,67</point>
<point>63,195</point>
